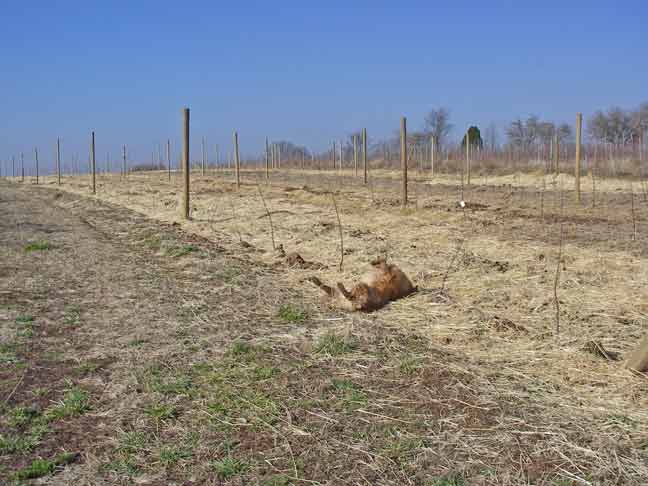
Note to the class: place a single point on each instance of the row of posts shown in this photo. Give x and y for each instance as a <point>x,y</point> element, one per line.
<point>275,155</point>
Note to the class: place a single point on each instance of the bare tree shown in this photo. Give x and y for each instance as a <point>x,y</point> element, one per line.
<point>437,124</point>
<point>616,126</point>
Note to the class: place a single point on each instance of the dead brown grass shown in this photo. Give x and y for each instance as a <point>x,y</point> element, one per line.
<point>469,381</point>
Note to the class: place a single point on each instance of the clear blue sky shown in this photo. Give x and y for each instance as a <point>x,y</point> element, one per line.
<point>304,71</point>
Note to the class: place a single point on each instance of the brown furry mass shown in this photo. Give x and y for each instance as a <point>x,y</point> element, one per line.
<point>381,285</point>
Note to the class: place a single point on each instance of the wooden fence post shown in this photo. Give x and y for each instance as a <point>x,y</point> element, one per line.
<point>22,167</point>
<point>432,154</point>
<point>93,163</point>
<point>13,166</point>
<point>185,163</point>
<point>468,157</point>
<point>124,171</point>
<point>237,161</point>
<point>577,168</point>
<point>204,156</point>
<point>403,144</point>
<point>93,166</point>
<point>36,157</point>
<point>168,154</point>
<point>58,160</point>
<point>556,155</point>
<point>333,151</point>
<point>267,160</point>
<point>355,155</point>
<point>364,153</point>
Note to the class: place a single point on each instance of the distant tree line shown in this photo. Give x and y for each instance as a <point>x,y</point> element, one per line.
<point>529,140</point>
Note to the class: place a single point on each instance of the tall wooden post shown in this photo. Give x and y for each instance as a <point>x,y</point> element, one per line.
<point>124,170</point>
<point>58,160</point>
<point>341,158</point>
<point>364,153</point>
<point>468,157</point>
<point>577,168</point>
<point>556,154</point>
<point>355,155</point>
<point>278,156</point>
<point>303,156</point>
<point>204,156</point>
<point>432,154</point>
<point>403,147</point>
<point>271,155</point>
<point>36,157</point>
<point>267,160</point>
<point>333,150</point>
<point>237,161</point>
<point>168,154</point>
<point>185,163</point>
<point>93,163</point>
<point>22,167</point>
<point>13,166</point>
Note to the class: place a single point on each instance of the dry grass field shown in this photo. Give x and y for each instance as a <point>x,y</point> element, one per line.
<point>137,348</point>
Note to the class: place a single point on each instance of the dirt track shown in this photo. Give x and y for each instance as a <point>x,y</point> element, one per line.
<point>155,356</point>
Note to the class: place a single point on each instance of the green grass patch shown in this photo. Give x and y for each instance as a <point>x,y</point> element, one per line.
<point>277,480</point>
<point>123,465</point>
<point>41,391</point>
<point>38,246</point>
<point>72,316</point>
<point>75,402</point>
<point>43,467</point>
<point>229,467</point>
<point>132,442</point>
<point>161,412</point>
<point>24,319</point>
<point>260,373</point>
<point>22,443</point>
<point>21,416</point>
<point>180,251</point>
<point>8,353</point>
<point>160,379</point>
<point>242,350</point>
<point>171,455</point>
<point>333,345</point>
<point>87,368</point>
<point>452,479</point>
<point>353,397</point>
<point>291,314</point>
<point>230,405</point>
<point>25,326</point>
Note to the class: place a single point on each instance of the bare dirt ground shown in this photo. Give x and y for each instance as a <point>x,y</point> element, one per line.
<point>136,348</point>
